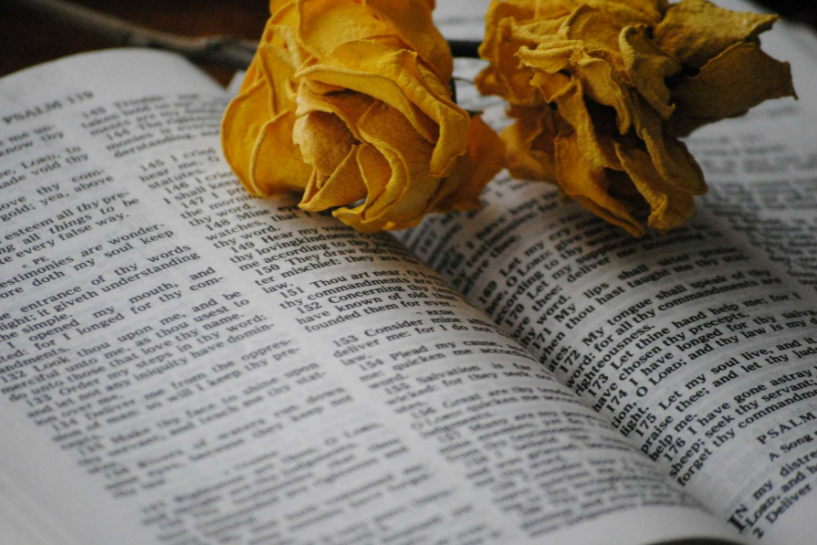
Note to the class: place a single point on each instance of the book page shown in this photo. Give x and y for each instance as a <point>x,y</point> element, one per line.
<point>700,345</point>
<point>184,363</point>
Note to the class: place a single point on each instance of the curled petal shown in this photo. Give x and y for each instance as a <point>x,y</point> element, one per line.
<point>326,24</point>
<point>276,165</point>
<point>551,86</point>
<point>347,105</point>
<point>530,151</point>
<point>411,20</point>
<point>626,12</point>
<point>596,69</point>
<point>276,68</point>
<point>729,85</point>
<point>376,173</point>
<point>591,26</point>
<point>407,195</point>
<point>551,9</point>
<point>276,5</point>
<point>589,186</point>
<point>343,186</point>
<point>670,207</point>
<point>537,32</point>
<point>695,31</point>
<point>243,121</point>
<point>648,67</point>
<point>596,146</point>
<point>503,39</point>
<point>481,163</point>
<point>670,156</point>
<point>603,84</point>
<point>324,140</point>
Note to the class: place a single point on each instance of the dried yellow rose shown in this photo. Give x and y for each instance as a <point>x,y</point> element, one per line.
<point>603,89</point>
<point>348,102</point>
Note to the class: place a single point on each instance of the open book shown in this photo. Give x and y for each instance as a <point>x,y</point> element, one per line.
<point>181,363</point>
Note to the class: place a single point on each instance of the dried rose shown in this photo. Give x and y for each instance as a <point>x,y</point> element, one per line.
<point>603,89</point>
<point>348,101</point>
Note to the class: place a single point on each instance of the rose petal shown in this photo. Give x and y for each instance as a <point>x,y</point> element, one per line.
<point>408,192</point>
<point>596,146</point>
<point>630,11</point>
<point>591,26</point>
<point>670,156</point>
<point>243,121</point>
<point>347,105</point>
<point>589,186</point>
<point>552,57</point>
<point>376,173</point>
<point>473,171</point>
<point>529,141</point>
<point>394,78</point>
<point>326,24</point>
<point>504,76</point>
<point>648,67</point>
<point>276,164</point>
<point>537,32</point>
<point>670,207</point>
<point>277,69</point>
<point>324,140</point>
<point>729,85</point>
<point>412,21</point>
<point>552,9</point>
<point>695,31</point>
<point>603,84</point>
<point>344,186</point>
<point>596,68</point>
<point>276,5</point>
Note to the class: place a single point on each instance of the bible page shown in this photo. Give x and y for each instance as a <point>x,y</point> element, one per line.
<point>700,345</point>
<point>183,363</point>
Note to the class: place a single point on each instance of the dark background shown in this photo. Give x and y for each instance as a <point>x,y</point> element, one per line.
<point>27,39</point>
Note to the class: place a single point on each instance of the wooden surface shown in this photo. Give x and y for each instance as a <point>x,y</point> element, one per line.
<point>27,40</point>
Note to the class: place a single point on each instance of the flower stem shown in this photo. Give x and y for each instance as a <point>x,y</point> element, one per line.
<point>221,51</point>
<point>464,49</point>
<point>214,50</point>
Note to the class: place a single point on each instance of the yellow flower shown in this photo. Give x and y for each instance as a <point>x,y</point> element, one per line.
<point>603,89</point>
<point>348,101</point>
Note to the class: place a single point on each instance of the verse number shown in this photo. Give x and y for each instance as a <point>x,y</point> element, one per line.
<point>343,341</point>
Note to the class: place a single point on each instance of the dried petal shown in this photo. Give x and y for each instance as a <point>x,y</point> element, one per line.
<point>530,152</point>
<point>241,126</point>
<point>324,139</point>
<point>504,76</point>
<point>589,186</point>
<point>411,19</point>
<point>695,31</point>
<point>347,105</point>
<point>485,158</point>
<point>394,77</point>
<point>648,67</point>
<point>729,85</point>
<point>629,11</point>
<point>276,164</point>
<point>670,207</point>
<point>591,26</point>
<point>327,24</point>
<point>670,156</point>
<point>597,148</point>
<point>344,185</point>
